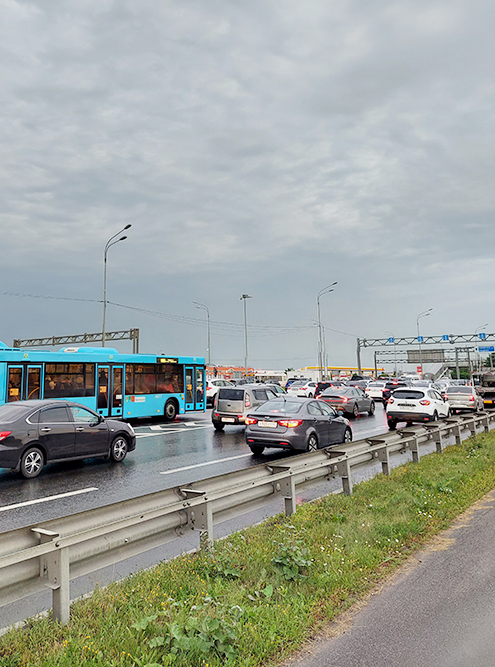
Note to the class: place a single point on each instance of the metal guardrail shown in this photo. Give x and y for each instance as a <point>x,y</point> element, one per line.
<point>55,552</point>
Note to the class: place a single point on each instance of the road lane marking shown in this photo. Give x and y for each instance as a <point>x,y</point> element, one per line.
<point>47,498</point>
<point>208,463</point>
<point>175,430</point>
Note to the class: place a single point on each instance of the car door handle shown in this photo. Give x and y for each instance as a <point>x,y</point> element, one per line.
<point>79,428</point>
<point>45,429</point>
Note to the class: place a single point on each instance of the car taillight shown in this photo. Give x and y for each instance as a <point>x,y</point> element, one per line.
<point>250,420</point>
<point>445,396</point>
<point>290,423</point>
<point>247,402</point>
<point>424,402</point>
<point>471,399</point>
<point>344,399</point>
<point>4,434</point>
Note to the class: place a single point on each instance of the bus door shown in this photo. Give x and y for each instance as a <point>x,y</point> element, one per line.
<point>33,383</point>
<point>117,392</point>
<point>189,389</point>
<point>195,388</point>
<point>15,376</point>
<point>200,388</point>
<point>102,391</point>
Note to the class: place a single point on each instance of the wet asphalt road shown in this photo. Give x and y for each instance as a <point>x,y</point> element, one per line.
<point>166,455</point>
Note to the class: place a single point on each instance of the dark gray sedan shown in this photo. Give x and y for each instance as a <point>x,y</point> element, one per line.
<point>34,433</point>
<point>302,424</point>
<point>350,400</point>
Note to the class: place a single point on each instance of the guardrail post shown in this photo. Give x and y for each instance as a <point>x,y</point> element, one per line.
<point>200,517</point>
<point>436,434</point>
<point>344,471</point>
<point>55,567</point>
<point>411,442</point>
<point>287,487</point>
<point>384,457</point>
<point>485,422</point>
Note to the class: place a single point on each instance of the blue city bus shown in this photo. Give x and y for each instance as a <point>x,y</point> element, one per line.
<point>115,385</point>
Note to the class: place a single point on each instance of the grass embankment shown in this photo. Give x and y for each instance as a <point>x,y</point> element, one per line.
<point>268,588</point>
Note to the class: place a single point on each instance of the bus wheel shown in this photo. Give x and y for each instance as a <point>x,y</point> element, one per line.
<point>170,411</point>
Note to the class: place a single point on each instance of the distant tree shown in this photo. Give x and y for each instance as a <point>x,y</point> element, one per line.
<point>289,370</point>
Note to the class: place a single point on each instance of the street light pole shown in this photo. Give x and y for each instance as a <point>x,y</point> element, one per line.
<point>423,314</point>
<point>202,306</point>
<point>325,290</point>
<point>108,245</point>
<point>243,298</point>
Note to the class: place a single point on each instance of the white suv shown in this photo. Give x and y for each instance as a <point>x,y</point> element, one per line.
<point>416,404</point>
<point>304,389</point>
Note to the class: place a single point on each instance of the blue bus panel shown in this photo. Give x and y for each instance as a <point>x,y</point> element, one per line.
<point>118,385</point>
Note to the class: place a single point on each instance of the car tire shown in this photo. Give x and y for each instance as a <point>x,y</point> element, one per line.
<point>371,411</point>
<point>435,416</point>
<point>312,444</point>
<point>32,462</point>
<point>355,411</point>
<point>257,450</point>
<point>218,426</point>
<point>118,448</point>
<point>310,395</point>
<point>170,410</point>
<point>392,424</point>
<point>347,436</point>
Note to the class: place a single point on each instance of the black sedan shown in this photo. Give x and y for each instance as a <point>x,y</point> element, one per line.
<point>34,433</point>
<point>295,423</point>
<point>349,400</point>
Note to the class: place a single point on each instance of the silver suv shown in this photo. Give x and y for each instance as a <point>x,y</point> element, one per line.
<point>232,404</point>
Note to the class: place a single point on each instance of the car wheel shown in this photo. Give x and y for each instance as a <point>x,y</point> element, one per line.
<point>392,424</point>
<point>118,449</point>
<point>347,436</point>
<point>449,413</point>
<point>435,416</point>
<point>312,444</point>
<point>31,462</point>
<point>371,411</point>
<point>310,395</point>
<point>355,411</point>
<point>257,449</point>
<point>170,411</point>
<point>218,426</point>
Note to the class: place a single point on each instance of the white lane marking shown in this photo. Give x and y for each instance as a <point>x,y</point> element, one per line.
<point>161,427</point>
<point>175,430</point>
<point>47,498</point>
<point>208,463</point>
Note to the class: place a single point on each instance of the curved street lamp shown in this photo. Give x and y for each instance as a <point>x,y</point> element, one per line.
<point>325,290</point>
<point>423,314</point>
<point>108,245</point>
<point>202,306</point>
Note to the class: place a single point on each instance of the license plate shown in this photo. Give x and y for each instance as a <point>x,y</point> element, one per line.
<point>406,405</point>
<point>230,420</point>
<point>268,424</point>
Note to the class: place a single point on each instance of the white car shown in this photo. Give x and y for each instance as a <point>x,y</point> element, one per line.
<point>416,404</point>
<point>377,391</point>
<point>212,386</point>
<point>304,389</point>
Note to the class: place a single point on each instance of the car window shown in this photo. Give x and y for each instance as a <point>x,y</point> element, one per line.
<point>408,394</point>
<point>314,409</point>
<point>231,394</point>
<point>83,416</point>
<point>279,407</point>
<point>260,394</point>
<point>459,390</point>
<point>327,409</point>
<point>54,416</point>
<point>270,394</point>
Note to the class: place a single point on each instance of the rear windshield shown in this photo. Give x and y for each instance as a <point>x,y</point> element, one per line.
<point>277,407</point>
<point>231,394</point>
<point>459,390</point>
<point>11,412</point>
<point>376,384</point>
<point>337,392</point>
<point>408,394</point>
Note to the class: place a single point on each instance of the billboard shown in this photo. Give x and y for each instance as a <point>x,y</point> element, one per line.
<point>427,356</point>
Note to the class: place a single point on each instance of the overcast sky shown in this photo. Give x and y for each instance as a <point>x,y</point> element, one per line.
<point>266,147</point>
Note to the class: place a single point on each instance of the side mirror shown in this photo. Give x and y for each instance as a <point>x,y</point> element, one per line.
<point>340,412</point>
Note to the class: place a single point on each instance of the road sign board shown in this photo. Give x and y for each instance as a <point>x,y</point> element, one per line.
<point>482,336</point>
<point>391,340</point>
<point>445,338</point>
<point>486,348</point>
<point>420,339</point>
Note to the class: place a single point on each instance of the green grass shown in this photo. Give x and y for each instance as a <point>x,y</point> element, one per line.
<point>267,589</point>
